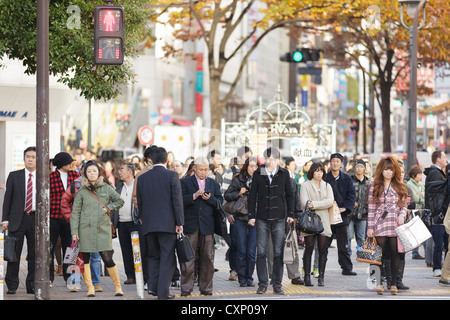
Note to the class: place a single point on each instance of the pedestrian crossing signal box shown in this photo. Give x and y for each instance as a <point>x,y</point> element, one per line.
<point>109,35</point>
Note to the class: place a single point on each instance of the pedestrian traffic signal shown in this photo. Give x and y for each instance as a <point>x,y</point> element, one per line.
<point>126,120</point>
<point>354,125</point>
<point>301,55</point>
<point>109,35</point>
<point>119,119</point>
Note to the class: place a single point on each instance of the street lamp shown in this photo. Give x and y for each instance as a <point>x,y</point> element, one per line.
<point>413,8</point>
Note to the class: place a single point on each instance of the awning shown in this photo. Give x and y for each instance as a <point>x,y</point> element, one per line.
<point>436,109</point>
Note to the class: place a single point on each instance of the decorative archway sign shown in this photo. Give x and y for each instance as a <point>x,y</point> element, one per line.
<point>282,126</point>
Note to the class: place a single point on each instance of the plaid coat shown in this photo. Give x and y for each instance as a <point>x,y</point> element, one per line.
<point>57,191</point>
<point>384,227</point>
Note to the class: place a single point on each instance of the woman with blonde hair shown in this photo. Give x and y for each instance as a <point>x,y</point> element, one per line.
<point>387,211</point>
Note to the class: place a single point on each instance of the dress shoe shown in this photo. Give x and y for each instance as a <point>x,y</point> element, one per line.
<point>130,281</point>
<point>418,257</point>
<point>243,284</point>
<point>444,282</point>
<point>185,294</point>
<point>11,291</point>
<point>278,290</point>
<point>261,289</point>
<point>206,293</point>
<point>30,291</point>
<point>297,281</point>
<point>348,273</point>
<point>250,284</point>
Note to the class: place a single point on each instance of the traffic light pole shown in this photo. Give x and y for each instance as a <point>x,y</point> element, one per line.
<point>42,248</point>
<point>292,74</point>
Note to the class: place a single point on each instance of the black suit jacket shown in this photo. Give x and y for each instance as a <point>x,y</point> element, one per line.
<point>160,201</point>
<point>14,201</point>
<point>199,213</point>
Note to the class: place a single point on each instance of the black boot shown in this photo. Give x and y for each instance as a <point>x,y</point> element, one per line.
<point>401,269</point>
<point>307,269</point>
<point>307,280</point>
<point>322,264</point>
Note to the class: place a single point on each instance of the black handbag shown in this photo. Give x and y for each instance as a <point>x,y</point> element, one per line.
<point>9,250</point>
<point>185,253</point>
<point>309,222</point>
<point>220,221</point>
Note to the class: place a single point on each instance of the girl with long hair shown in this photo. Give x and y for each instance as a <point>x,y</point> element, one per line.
<point>387,211</point>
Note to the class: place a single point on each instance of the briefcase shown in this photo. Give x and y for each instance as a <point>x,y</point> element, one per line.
<point>185,252</point>
<point>9,250</point>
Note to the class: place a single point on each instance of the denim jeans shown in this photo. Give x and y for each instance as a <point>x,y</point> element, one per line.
<point>440,238</point>
<point>276,228</point>
<point>96,267</point>
<point>359,228</point>
<point>245,236</point>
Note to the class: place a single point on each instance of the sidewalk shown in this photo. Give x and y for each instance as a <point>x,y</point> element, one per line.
<point>417,276</point>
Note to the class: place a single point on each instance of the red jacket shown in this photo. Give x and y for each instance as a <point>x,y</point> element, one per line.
<point>57,190</point>
<point>67,201</point>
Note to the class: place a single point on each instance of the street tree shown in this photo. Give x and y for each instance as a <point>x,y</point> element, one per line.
<point>375,32</point>
<point>71,43</point>
<point>217,23</point>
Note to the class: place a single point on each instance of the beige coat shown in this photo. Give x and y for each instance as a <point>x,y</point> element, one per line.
<point>321,202</point>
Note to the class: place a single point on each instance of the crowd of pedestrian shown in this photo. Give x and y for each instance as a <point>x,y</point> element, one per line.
<point>162,198</point>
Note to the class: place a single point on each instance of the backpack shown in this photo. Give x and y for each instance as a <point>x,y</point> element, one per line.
<point>437,198</point>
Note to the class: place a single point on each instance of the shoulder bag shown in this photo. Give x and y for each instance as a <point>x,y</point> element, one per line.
<point>237,206</point>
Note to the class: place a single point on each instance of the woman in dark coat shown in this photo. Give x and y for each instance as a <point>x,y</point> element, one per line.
<point>245,233</point>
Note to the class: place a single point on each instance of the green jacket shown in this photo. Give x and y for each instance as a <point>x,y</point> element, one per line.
<point>90,221</point>
<point>418,192</point>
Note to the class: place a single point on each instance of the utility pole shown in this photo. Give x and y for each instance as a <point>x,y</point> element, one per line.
<point>42,250</point>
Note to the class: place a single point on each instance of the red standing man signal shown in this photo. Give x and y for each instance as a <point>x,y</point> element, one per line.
<point>109,21</point>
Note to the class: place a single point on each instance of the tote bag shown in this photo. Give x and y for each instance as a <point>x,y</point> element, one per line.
<point>71,255</point>
<point>290,250</point>
<point>412,234</point>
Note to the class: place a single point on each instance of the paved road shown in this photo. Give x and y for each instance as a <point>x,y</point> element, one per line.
<point>418,277</point>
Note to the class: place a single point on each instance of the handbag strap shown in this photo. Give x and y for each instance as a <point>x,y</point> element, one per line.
<point>107,210</point>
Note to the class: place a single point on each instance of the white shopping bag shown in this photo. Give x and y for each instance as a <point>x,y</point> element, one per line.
<point>413,234</point>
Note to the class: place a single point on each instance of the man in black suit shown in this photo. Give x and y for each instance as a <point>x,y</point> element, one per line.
<point>200,197</point>
<point>160,206</point>
<point>19,208</point>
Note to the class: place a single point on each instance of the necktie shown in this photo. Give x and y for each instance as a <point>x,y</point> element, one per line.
<point>271,178</point>
<point>29,198</point>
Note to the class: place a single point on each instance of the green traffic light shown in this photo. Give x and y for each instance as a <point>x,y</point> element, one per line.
<point>297,56</point>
